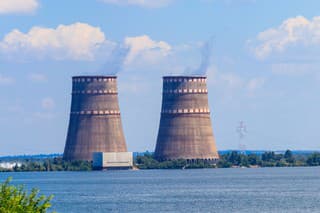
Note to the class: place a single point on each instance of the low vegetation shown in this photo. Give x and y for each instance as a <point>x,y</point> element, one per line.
<point>147,161</point>
<point>267,159</point>
<point>234,159</point>
<point>55,164</point>
<point>16,199</point>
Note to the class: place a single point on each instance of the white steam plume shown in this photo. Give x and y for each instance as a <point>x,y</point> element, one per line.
<point>116,60</point>
<point>206,52</point>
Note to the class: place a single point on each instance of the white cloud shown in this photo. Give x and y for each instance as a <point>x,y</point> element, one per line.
<point>4,80</point>
<point>18,6</point>
<point>293,32</point>
<point>47,103</point>
<point>78,41</point>
<point>144,48</point>
<point>231,2</point>
<point>140,3</point>
<point>37,77</point>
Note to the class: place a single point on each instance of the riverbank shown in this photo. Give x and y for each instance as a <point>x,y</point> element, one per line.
<point>232,159</point>
<point>46,165</point>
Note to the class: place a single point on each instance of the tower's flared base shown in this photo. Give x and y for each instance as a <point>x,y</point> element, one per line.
<point>186,137</point>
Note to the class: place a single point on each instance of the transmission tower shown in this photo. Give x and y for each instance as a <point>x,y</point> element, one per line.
<point>242,132</point>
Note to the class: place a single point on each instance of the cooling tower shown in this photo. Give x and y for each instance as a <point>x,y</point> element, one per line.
<point>95,123</point>
<point>185,130</point>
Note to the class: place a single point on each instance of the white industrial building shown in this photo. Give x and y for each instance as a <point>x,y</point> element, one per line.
<point>112,160</point>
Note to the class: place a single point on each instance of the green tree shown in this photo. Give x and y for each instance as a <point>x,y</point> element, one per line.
<point>234,158</point>
<point>314,159</point>
<point>148,162</point>
<point>15,199</point>
<point>244,160</point>
<point>223,163</point>
<point>268,156</point>
<point>254,159</point>
<point>288,156</point>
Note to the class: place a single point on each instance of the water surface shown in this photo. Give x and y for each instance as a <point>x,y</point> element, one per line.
<point>198,190</point>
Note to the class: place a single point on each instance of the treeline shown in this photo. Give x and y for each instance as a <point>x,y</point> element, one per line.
<point>53,164</point>
<point>267,159</point>
<point>234,159</point>
<point>148,161</point>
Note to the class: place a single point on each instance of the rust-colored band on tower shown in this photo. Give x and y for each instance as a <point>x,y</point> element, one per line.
<point>95,122</point>
<point>185,130</point>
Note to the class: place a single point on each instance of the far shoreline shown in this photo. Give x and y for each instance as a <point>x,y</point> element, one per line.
<point>147,161</point>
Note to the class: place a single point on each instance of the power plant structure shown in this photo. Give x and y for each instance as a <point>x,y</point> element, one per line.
<point>95,122</point>
<point>185,130</point>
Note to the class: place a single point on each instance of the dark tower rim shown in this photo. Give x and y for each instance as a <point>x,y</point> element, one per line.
<point>94,76</point>
<point>184,76</point>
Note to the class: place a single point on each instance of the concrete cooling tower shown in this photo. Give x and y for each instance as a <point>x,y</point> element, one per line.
<point>95,123</point>
<point>185,130</point>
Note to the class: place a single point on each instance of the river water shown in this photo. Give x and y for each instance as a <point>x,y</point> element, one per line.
<point>197,190</point>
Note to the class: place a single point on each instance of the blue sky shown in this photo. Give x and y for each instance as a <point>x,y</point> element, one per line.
<point>264,67</point>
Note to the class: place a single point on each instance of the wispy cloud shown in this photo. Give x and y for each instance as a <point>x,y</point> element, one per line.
<point>293,69</point>
<point>254,84</point>
<point>5,80</point>
<point>37,77</point>
<point>43,115</point>
<point>47,103</point>
<point>18,6</point>
<point>231,83</point>
<point>47,113</point>
<point>140,3</point>
<point>15,108</point>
